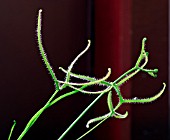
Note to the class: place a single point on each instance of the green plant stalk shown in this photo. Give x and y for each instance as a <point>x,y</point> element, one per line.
<point>52,99</point>
<point>50,102</point>
<point>80,116</point>
<point>12,129</point>
<point>109,86</point>
<point>65,95</point>
<point>36,116</point>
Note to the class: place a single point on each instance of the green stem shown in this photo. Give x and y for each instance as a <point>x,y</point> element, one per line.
<point>49,103</point>
<point>65,95</point>
<point>36,116</point>
<point>124,74</point>
<point>12,128</point>
<point>80,116</point>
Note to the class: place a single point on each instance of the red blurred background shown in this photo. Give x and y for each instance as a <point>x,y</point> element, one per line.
<point>116,28</point>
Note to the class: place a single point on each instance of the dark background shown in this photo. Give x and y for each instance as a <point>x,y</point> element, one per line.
<point>116,28</point>
<point>120,27</point>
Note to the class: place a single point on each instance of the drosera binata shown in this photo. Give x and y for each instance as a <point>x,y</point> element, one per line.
<point>109,87</point>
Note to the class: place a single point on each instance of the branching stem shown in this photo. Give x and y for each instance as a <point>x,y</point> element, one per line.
<point>80,87</point>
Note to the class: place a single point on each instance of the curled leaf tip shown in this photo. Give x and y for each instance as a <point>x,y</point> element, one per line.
<point>156,96</point>
<point>89,122</point>
<point>87,125</point>
<point>109,71</point>
<point>153,74</point>
<point>144,39</point>
<point>155,70</point>
<point>89,44</point>
<point>120,116</point>
<point>143,44</point>
<point>40,10</point>
<point>164,84</point>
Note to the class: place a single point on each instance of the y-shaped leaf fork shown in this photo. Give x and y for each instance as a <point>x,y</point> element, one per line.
<point>117,83</point>
<point>81,87</point>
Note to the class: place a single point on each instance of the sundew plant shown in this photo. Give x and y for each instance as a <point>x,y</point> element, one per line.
<point>109,87</point>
